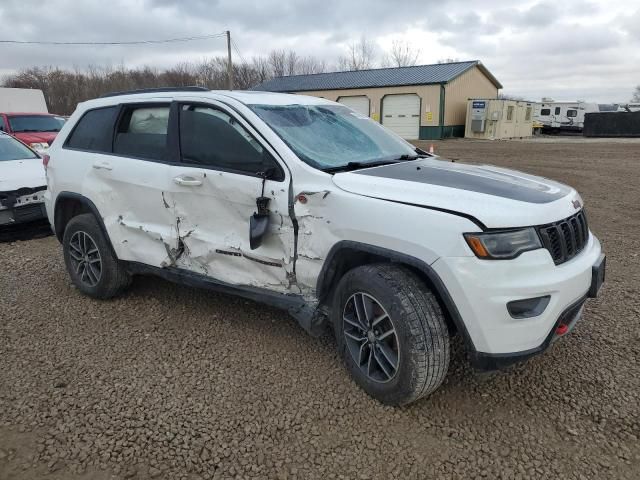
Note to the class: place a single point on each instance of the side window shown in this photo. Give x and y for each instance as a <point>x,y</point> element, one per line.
<point>572,113</point>
<point>142,132</point>
<point>509,113</point>
<point>527,115</point>
<point>212,138</point>
<point>545,111</point>
<point>557,111</point>
<point>94,131</point>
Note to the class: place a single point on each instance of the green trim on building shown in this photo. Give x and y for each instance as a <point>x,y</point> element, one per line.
<point>430,133</point>
<point>437,133</point>
<point>450,131</point>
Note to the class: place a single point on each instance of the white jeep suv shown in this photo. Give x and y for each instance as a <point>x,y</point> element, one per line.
<point>304,204</point>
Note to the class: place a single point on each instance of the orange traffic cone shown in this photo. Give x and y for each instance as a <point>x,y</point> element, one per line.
<point>431,149</point>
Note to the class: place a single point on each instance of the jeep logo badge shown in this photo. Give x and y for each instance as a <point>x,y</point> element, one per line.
<point>576,204</point>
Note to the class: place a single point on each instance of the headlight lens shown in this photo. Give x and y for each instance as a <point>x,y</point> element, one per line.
<point>39,146</point>
<point>503,245</point>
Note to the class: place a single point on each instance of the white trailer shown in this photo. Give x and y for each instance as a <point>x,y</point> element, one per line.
<point>629,107</point>
<point>27,100</point>
<point>559,116</point>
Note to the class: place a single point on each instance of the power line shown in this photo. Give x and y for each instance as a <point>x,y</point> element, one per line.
<point>235,47</point>
<point>135,42</point>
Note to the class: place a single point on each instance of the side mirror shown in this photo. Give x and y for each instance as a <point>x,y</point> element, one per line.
<point>258,226</point>
<point>259,221</point>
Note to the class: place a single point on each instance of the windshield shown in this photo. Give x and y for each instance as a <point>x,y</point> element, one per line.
<point>12,149</point>
<point>35,123</point>
<point>329,136</point>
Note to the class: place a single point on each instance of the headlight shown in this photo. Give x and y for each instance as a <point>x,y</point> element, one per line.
<point>39,146</point>
<point>503,245</point>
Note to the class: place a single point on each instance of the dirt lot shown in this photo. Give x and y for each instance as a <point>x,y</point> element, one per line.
<point>172,383</point>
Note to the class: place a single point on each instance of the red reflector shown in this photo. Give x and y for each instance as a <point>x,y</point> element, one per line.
<point>562,329</point>
<point>45,160</point>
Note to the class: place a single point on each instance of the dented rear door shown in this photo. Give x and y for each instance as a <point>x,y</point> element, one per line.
<point>128,185</point>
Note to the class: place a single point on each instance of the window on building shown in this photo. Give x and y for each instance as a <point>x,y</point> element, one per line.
<point>545,111</point>
<point>509,113</point>
<point>212,138</point>
<point>557,111</point>
<point>527,115</point>
<point>572,113</point>
<point>94,131</point>
<point>142,132</point>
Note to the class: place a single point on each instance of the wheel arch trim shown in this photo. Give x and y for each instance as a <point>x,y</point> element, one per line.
<point>86,202</point>
<point>327,273</point>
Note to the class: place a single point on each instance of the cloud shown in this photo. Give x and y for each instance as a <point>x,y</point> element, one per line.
<point>535,48</point>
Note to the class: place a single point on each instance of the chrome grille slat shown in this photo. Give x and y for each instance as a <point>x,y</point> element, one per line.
<point>566,238</point>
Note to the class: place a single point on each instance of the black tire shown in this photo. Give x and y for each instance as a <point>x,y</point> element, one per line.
<point>107,281</point>
<point>419,332</point>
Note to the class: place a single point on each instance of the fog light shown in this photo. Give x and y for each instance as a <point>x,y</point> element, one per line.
<point>529,307</point>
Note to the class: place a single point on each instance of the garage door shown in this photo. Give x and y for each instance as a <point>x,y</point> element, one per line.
<point>401,114</point>
<point>360,104</point>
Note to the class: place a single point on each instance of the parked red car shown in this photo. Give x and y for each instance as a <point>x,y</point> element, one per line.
<point>34,129</point>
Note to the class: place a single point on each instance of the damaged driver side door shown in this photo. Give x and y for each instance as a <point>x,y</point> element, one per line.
<point>224,169</point>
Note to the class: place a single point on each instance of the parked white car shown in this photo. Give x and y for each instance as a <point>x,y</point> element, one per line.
<point>302,203</point>
<point>22,183</point>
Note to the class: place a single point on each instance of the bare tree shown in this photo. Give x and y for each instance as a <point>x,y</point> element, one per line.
<point>309,65</point>
<point>360,55</point>
<point>402,54</point>
<point>278,63</point>
<point>636,95</point>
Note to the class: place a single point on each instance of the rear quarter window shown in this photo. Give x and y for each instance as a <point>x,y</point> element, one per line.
<point>94,130</point>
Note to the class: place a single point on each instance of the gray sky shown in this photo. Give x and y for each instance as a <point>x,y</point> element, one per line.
<point>565,49</point>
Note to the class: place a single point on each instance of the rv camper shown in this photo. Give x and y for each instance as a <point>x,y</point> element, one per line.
<point>562,116</point>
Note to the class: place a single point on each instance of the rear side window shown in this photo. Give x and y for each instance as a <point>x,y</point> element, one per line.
<point>142,132</point>
<point>572,113</point>
<point>94,130</point>
<point>545,111</point>
<point>212,138</point>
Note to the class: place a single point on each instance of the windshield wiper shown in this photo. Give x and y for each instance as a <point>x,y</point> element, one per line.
<point>357,165</point>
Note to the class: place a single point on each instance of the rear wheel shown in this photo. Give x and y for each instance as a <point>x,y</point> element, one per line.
<point>391,333</point>
<point>91,264</point>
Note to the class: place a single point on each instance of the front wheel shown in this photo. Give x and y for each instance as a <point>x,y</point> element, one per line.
<point>91,264</point>
<point>391,333</point>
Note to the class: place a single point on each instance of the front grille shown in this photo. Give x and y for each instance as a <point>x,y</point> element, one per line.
<point>566,238</point>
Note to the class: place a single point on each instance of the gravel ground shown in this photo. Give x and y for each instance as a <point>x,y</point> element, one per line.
<point>173,383</point>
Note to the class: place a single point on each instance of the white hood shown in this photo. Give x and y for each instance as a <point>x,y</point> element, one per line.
<point>15,174</point>
<point>496,197</point>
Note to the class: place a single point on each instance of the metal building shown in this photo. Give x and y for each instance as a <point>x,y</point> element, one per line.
<point>419,102</point>
<point>492,119</point>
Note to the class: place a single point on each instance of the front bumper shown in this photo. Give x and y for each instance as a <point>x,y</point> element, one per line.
<point>481,290</point>
<point>22,214</point>
<point>22,206</point>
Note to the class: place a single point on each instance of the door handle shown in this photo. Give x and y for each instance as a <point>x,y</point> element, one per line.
<point>102,166</point>
<point>187,181</point>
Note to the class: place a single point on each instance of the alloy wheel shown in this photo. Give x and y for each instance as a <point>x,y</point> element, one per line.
<point>85,258</point>
<point>371,337</point>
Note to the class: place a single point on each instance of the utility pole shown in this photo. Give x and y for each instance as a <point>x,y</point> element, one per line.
<point>229,64</point>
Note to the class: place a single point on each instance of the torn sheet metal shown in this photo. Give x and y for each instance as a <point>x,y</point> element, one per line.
<point>312,211</point>
<point>213,231</point>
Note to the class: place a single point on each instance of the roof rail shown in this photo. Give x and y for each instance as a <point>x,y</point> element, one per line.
<point>156,90</point>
